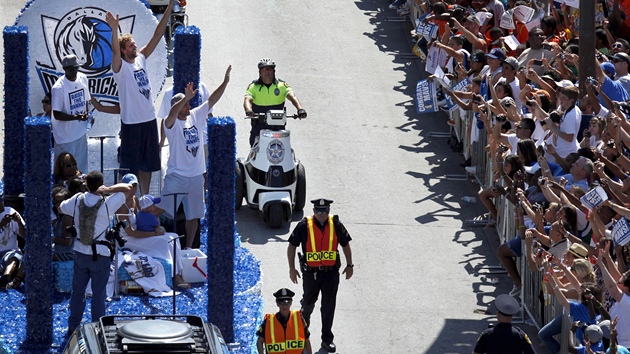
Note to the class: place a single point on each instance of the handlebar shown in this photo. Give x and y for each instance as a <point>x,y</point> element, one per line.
<point>262,116</point>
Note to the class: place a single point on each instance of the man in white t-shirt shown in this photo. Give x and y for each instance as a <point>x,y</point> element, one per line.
<point>139,141</point>
<point>92,212</point>
<point>619,289</point>
<point>564,137</point>
<point>509,68</point>
<point>70,96</point>
<point>186,165</point>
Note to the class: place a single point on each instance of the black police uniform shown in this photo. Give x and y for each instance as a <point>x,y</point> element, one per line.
<point>504,339</point>
<point>314,281</point>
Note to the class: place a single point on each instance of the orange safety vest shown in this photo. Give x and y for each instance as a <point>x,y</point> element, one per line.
<point>289,341</point>
<point>321,247</point>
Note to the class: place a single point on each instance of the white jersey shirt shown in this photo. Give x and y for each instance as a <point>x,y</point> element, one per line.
<point>69,97</point>
<point>134,92</point>
<point>186,139</point>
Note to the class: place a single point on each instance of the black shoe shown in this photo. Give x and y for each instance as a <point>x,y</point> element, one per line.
<point>329,347</point>
<point>466,163</point>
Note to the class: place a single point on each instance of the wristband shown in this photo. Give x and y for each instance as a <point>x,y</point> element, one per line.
<point>521,227</point>
<point>350,265</point>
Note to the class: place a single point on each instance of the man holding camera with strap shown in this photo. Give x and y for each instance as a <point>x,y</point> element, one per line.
<point>319,236</point>
<point>91,213</point>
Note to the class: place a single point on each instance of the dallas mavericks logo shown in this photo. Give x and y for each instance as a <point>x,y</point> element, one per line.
<point>84,33</point>
<point>275,151</point>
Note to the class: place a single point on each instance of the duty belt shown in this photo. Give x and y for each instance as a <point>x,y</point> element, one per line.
<point>320,268</point>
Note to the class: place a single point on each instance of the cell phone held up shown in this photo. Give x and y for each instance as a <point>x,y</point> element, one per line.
<point>546,46</point>
<point>476,98</point>
<point>538,62</point>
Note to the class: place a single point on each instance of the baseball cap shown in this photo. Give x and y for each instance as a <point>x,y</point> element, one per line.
<point>147,200</point>
<point>622,56</point>
<point>512,61</point>
<point>130,178</point>
<point>496,53</point>
<point>474,19</point>
<point>70,60</point>
<point>608,67</point>
<point>593,333</point>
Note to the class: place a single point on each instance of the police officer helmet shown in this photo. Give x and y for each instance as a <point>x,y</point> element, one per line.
<point>266,62</point>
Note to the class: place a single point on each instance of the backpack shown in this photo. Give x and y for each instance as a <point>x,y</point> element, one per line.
<point>88,217</point>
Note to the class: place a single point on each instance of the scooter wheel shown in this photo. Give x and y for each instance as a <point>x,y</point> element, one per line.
<point>276,214</point>
<point>240,186</point>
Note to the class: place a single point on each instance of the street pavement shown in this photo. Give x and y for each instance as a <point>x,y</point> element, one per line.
<point>415,287</point>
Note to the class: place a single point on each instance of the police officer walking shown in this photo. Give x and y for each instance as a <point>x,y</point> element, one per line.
<point>267,93</point>
<point>286,331</point>
<point>319,236</point>
<point>91,212</point>
<point>504,338</point>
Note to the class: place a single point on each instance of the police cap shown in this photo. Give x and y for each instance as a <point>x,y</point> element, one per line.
<point>321,203</point>
<point>507,304</point>
<point>284,294</point>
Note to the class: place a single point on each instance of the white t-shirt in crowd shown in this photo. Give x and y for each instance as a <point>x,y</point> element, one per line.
<point>569,124</point>
<point>622,310</point>
<point>71,207</point>
<point>134,92</point>
<point>186,137</point>
<point>69,97</point>
<point>8,235</point>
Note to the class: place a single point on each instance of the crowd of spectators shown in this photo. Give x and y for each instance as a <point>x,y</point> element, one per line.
<point>557,149</point>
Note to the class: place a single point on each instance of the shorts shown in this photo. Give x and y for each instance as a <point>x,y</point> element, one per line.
<point>140,147</point>
<point>515,245</point>
<point>194,201</point>
<point>6,257</point>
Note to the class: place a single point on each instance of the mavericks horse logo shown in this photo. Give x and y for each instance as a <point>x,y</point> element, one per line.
<point>84,33</point>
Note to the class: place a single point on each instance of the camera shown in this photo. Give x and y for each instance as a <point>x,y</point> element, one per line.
<point>538,62</point>
<point>563,56</point>
<point>501,118</point>
<point>546,46</point>
<point>476,98</point>
<point>529,103</point>
<point>114,233</point>
<point>555,117</point>
<point>543,123</point>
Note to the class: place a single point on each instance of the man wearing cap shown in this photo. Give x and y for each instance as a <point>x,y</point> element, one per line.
<point>495,59</point>
<point>11,227</point>
<point>186,161</point>
<point>267,93</point>
<point>139,143</point>
<point>605,74</point>
<point>470,31</point>
<point>319,236</point>
<point>509,68</point>
<point>621,61</point>
<point>286,331</point>
<point>504,337</point>
<point>70,97</point>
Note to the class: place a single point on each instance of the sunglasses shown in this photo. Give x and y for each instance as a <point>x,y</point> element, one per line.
<point>321,212</point>
<point>284,302</point>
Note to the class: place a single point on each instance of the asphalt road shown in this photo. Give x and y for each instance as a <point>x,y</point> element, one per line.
<point>415,289</point>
